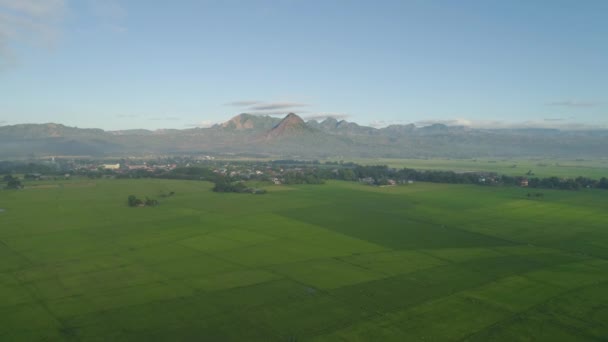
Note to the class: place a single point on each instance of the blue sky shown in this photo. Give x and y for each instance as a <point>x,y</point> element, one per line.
<point>177,64</point>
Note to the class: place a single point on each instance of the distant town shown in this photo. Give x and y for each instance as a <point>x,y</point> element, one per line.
<point>226,173</point>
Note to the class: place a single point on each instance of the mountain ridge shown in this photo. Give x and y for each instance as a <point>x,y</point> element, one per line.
<point>291,125</point>
<point>292,136</point>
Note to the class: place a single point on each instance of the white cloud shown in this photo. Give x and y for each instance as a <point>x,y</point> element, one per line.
<point>547,123</point>
<point>450,122</point>
<point>34,8</point>
<point>33,22</point>
<point>323,116</point>
<point>273,112</point>
<point>573,104</point>
<point>384,123</point>
<point>202,124</point>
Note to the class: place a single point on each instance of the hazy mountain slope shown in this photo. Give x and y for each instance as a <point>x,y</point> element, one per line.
<point>291,136</point>
<point>249,122</point>
<point>47,130</point>
<point>291,126</point>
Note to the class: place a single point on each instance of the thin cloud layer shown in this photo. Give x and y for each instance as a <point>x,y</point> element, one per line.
<point>127,116</point>
<point>34,8</point>
<point>384,123</point>
<point>257,106</point>
<point>243,103</point>
<point>278,105</point>
<point>34,22</point>
<point>547,123</point>
<point>452,122</point>
<point>573,104</point>
<point>201,124</point>
<point>109,13</point>
<point>321,117</point>
<point>272,113</point>
<point>168,118</point>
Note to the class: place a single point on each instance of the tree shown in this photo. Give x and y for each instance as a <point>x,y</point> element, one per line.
<point>151,202</point>
<point>603,184</point>
<point>133,201</point>
<point>347,174</point>
<point>12,182</point>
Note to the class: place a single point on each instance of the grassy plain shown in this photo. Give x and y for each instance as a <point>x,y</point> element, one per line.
<point>567,168</point>
<point>334,262</point>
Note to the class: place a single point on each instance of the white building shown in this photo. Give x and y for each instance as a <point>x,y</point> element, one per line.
<point>111,166</point>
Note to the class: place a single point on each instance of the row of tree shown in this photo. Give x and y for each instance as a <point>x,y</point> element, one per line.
<point>381,173</point>
<point>133,201</point>
<point>303,177</point>
<point>8,167</point>
<point>316,173</point>
<point>224,184</point>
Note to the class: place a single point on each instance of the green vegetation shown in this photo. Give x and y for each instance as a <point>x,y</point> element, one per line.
<point>226,185</point>
<point>564,168</point>
<point>133,201</point>
<point>12,183</point>
<point>342,261</point>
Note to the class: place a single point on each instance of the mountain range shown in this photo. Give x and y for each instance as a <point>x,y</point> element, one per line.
<point>292,137</point>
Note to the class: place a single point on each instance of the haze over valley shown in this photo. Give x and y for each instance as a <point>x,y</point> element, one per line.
<point>291,136</point>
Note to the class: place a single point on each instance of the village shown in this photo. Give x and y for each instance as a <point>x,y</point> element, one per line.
<point>277,172</point>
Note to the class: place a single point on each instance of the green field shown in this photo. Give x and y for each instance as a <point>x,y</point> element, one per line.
<point>334,262</point>
<point>566,168</point>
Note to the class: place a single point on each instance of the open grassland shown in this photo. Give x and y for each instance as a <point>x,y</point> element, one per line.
<point>334,262</point>
<point>563,168</point>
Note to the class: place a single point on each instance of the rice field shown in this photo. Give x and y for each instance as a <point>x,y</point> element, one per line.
<point>334,262</point>
<point>539,167</point>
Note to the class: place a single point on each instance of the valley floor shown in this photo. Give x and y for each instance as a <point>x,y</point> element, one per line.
<point>594,168</point>
<point>334,262</point>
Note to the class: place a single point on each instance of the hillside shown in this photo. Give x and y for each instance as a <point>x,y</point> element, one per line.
<point>291,126</point>
<point>249,122</point>
<point>291,136</point>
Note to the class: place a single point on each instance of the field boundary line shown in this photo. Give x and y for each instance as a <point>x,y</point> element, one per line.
<point>533,307</point>
<point>18,254</point>
<point>64,328</point>
<point>379,314</point>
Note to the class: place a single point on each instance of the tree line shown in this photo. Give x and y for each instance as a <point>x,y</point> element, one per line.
<point>316,173</point>
<point>311,173</point>
<point>226,185</point>
<point>12,183</point>
<point>382,173</point>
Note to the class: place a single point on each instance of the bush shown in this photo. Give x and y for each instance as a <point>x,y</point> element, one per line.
<point>134,201</point>
<point>150,202</point>
<point>12,183</point>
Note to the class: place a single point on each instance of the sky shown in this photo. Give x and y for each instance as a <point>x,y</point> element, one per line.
<point>125,64</point>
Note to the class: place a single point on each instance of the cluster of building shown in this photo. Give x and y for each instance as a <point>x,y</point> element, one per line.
<point>246,172</point>
<point>123,168</point>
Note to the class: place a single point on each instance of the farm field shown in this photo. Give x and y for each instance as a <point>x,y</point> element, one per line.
<point>334,262</point>
<point>566,168</point>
